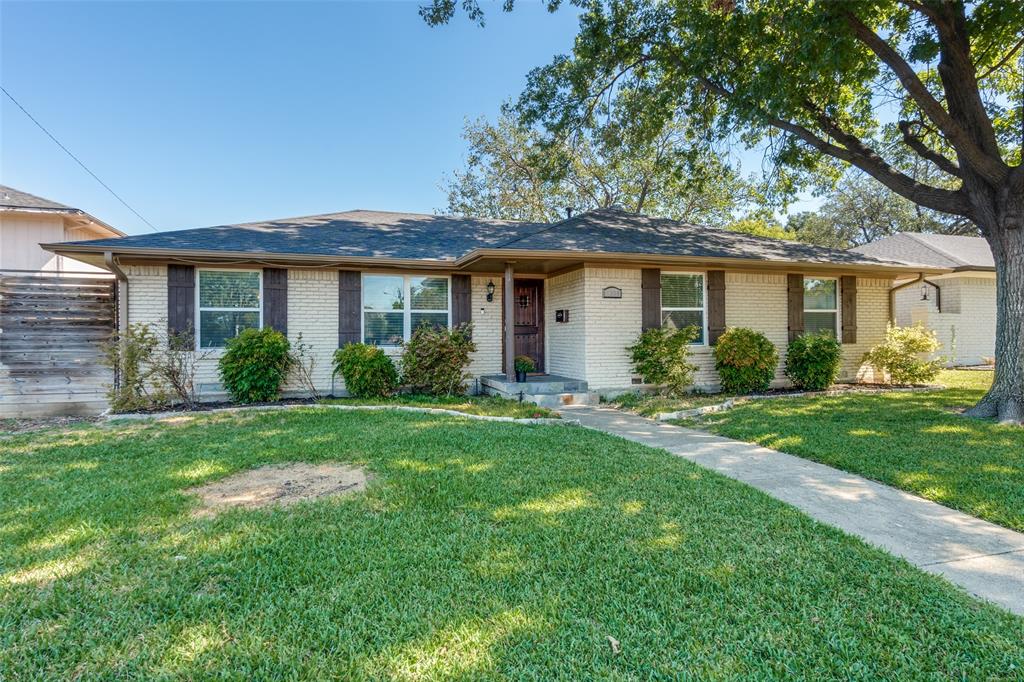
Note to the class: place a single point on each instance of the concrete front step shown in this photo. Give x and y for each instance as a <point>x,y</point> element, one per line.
<point>542,390</point>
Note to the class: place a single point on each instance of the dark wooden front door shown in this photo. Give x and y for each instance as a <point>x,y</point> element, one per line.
<point>528,312</point>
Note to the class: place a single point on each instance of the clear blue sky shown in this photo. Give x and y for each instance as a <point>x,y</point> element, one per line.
<point>207,113</point>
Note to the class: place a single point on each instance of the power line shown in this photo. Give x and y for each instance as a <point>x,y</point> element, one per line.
<point>77,160</point>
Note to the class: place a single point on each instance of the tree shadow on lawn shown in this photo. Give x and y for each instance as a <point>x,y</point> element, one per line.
<point>480,550</point>
<point>910,440</point>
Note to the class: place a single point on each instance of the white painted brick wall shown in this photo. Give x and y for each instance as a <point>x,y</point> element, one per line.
<point>566,342</point>
<point>486,327</point>
<point>966,327</point>
<point>313,312</point>
<point>611,325</point>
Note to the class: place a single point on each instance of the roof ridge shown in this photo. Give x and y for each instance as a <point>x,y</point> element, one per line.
<point>916,236</point>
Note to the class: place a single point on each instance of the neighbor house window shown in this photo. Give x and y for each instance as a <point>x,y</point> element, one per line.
<point>682,302</point>
<point>229,302</point>
<point>395,305</point>
<point>821,305</point>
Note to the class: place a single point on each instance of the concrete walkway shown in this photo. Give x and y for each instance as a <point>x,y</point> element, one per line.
<point>985,559</point>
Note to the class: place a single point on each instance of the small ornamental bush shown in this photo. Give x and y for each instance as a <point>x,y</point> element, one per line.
<point>900,355</point>
<point>254,365</point>
<point>367,370</point>
<point>745,360</point>
<point>812,361</point>
<point>662,357</point>
<point>524,363</point>
<point>435,359</point>
<point>132,357</point>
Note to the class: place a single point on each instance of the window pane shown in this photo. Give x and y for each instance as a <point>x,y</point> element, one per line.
<point>435,319</point>
<point>428,293</point>
<point>383,329</point>
<point>216,327</point>
<point>816,322</point>
<point>229,289</point>
<point>383,292</point>
<point>682,291</point>
<point>679,319</point>
<point>820,294</point>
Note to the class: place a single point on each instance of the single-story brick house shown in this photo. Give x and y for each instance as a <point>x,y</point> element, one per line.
<point>582,288</point>
<point>960,306</point>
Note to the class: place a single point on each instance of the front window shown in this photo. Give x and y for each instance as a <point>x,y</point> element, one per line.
<point>229,302</point>
<point>821,305</point>
<point>395,305</point>
<point>682,302</point>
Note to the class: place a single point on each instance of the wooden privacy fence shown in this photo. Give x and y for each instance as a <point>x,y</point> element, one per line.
<point>53,332</point>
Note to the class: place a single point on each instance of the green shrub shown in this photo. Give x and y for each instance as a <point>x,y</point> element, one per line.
<point>745,360</point>
<point>254,365</point>
<point>899,355</point>
<point>435,359</point>
<point>812,361</point>
<point>367,370</point>
<point>132,356</point>
<point>662,357</point>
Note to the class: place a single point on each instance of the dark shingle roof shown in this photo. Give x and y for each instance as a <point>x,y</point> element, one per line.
<point>939,250</point>
<point>357,234</point>
<point>14,198</point>
<point>378,234</point>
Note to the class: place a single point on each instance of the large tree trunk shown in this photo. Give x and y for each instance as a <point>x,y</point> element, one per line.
<point>1005,234</point>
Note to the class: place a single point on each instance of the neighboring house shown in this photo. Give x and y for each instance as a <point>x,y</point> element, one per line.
<point>26,221</point>
<point>581,289</point>
<point>960,305</point>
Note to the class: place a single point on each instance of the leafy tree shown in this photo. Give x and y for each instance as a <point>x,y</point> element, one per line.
<point>512,172</point>
<point>762,227</point>
<point>860,210</point>
<point>825,85</point>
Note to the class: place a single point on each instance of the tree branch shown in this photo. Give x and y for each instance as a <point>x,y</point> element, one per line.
<point>924,152</point>
<point>858,154</point>
<point>991,168</point>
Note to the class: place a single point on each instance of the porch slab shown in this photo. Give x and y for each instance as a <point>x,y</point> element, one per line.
<point>545,390</point>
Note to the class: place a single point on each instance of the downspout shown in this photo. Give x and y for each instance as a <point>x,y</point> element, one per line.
<point>121,297</point>
<point>892,296</point>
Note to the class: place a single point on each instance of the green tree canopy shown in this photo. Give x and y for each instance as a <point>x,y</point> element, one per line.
<point>513,172</point>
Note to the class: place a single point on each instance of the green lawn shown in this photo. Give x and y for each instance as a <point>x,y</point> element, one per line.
<point>914,441</point>
<point>481,550</point>
<point>485,405</point>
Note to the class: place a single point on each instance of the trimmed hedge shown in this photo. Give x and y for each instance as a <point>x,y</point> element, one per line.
<point>745,360</point>
<point>254,365</point>
<point>812,361</point>
<point>367,370</point>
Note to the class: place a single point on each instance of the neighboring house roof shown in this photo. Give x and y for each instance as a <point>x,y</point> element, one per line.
<point>364,234</point>
<point>941,250</point>
<point>15,200</point>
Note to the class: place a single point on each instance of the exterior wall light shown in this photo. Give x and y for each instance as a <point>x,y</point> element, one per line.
<point>490,291</point>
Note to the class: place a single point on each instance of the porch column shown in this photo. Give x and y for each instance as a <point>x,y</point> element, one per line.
<point>508,306</point>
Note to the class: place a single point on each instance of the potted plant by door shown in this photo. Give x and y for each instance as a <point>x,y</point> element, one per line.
<point>524,364</point>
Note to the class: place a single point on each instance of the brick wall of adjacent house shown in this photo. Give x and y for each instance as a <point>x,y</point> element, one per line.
<point>966,327</point>
<point>313,312</point>
<point>566,342</point>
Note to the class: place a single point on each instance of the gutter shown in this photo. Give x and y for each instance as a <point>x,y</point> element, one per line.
<point>920,280</point>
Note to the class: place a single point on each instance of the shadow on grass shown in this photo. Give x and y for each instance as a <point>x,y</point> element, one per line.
<point>480,550</point>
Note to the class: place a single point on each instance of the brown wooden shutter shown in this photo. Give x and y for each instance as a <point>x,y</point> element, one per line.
<point>349,305</point>
<point>650,298</point>
<point>275,299</point>
<point>181,300</point>
<point>716,305</point>
<point>462,303</point>
<point>849,303</point>
<point>796,306</point>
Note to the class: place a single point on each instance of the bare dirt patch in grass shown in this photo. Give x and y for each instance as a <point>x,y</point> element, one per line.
<point>280,485</point>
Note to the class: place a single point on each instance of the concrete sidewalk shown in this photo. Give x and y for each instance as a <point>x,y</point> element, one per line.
<point>985,559</point>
